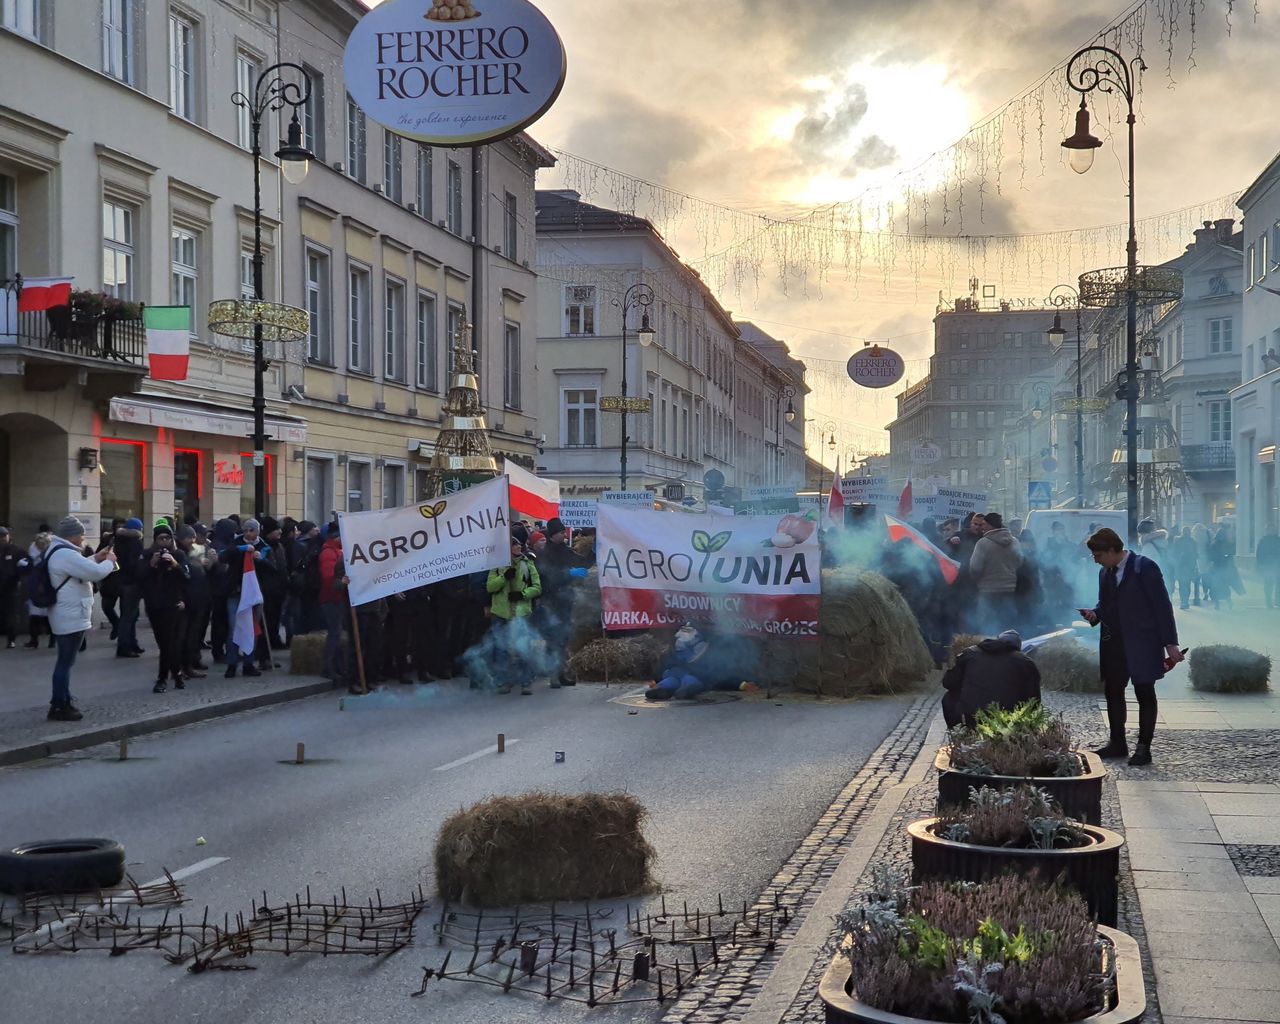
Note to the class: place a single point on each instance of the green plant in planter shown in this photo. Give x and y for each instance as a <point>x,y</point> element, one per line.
<point>1013,950</point>
<point>1025,742</point>
<point>90,305</point>
<point>1024,817</point>
<point>1221,668</point>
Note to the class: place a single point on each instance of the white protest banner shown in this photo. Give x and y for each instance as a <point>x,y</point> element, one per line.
<point>752,574</point>
<point>952,502</point>
<point>578,513</point>
<point>856,488</point>
<point>398,549</point>
<point>627,499</point>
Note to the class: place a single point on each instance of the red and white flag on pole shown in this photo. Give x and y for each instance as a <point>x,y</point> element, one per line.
<point>835,501</point>
<point>535,496</point>
<point>905,502</point>
<point>41,293</point>
<point>244,634</point>
<point>899,531</point>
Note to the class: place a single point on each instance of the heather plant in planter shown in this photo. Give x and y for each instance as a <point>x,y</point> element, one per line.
<point>1009,951</point>
<point>1025,742</point>
<point>1025,818</point>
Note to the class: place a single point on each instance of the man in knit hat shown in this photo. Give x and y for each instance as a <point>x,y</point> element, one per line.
<point>199,562</point>
<point>128,547</point>
<point>560,570</point>
<point>250,543</point>
<point>72,577</point>
<point>164,590</point>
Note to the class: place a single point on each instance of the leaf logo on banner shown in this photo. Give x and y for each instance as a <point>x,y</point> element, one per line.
<point>704,543</point>
<point>432,511</point>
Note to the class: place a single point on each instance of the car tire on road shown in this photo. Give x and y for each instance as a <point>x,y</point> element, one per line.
<point>61,865</point>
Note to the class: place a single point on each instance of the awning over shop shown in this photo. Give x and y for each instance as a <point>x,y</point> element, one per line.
<point>174,414</point>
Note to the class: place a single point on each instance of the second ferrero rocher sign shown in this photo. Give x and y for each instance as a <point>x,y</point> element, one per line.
<point>454,72</point>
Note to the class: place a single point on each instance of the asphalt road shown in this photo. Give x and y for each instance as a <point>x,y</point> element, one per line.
<point>732,789</point>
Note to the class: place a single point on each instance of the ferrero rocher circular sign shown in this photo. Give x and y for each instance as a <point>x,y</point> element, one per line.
<point>454,72</point>
<point>876,367</point>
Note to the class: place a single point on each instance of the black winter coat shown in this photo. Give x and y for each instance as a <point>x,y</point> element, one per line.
<point>233,560</point>
<point>994,672</point>
<point>163,585</point>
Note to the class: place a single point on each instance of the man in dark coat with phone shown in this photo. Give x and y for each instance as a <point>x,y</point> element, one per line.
<point>1139,638</point>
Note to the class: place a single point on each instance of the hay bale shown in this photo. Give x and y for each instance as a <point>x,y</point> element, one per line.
<point>1067,666</point>
<point>868,642</point>
<point>611,659</point>
<point>542,846</point>
<point>1222,668</point>
<point>306,655</point>
<point>961,642</point>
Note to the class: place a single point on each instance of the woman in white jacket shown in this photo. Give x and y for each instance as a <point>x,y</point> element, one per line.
<point>72,575</point>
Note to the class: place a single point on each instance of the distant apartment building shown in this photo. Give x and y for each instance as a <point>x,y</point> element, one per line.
<point>712,398</point>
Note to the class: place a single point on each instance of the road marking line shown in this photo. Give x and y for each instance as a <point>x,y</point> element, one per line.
<point>57,927</point>
<point>474,757</point>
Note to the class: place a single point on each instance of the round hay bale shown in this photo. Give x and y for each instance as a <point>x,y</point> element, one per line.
<point>868,642</point>
<point>541,846</point>
<point>1067,666</point>
<point>961,642</point>
<point>614,659</point>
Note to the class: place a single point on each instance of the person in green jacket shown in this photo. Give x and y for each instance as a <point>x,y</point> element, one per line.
<point>512,592</point>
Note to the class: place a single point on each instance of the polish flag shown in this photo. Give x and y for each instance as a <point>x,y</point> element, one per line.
<point>905,502</point>
<point>41,293</point>
<point>168,341</point>
<point>244,634</point>
<point>534,496</point>
<point>835,502</point>
<point>898,531</point>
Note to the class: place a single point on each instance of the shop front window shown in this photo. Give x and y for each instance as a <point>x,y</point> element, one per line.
<point>123,478</point>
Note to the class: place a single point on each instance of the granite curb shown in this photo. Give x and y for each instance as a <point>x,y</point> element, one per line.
<point>161,722</point>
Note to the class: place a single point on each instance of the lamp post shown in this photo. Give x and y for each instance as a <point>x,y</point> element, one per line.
<point>638,296</point>
<point>787,392</point>
<point>272,92</point>
<point>1103,69</point>
<point>1064,295</point>
<point>828,428</point>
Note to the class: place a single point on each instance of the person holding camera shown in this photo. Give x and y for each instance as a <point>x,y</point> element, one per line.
<point>164,575</point>
<point>512,592</point>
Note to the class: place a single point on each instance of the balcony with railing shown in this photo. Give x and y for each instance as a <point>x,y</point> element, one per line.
<point>1217,456</point>
<point>91,331</point>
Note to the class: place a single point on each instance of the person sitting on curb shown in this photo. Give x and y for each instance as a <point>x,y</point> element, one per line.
<point>994,672</point>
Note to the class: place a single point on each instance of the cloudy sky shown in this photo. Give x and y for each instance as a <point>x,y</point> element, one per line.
<point>777,106</point>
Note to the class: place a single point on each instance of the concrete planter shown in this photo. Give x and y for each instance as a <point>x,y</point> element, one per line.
<point>1091,870</point>
<point>1080,796</point>
<point>1128,1003</point>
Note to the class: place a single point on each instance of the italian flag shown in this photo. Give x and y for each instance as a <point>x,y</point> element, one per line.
<point>41,293</point>
<point>168,340</point>
<point>535,496</point>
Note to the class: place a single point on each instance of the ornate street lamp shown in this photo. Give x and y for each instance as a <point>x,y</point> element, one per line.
<point>257,320</point>
<point>638,296</point>
<point>1064,295</point>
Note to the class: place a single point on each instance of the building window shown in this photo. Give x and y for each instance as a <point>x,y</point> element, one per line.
<point>8,227</point>
<point>1262,256</point>
<point>319,496</point>
<point>959,477</point>
<point>359,354</point>
<point>453,329</point>
<point>579,310</point>
<point>1251,264</point>
<point>117,40</point>
<point>423,191</point>
<point>427,356</point>
<point>184,269</point>
<point>247,290</point>
<point>960,448</point>
<point>313,115</point>
<point>1219,421</point>
<point>510,222</point>
<point>392,486</point>
<point>319,336</point>
<point>581,417</point>
<point>393,333</point>
<point>511,374</point>
<point>21,16</point>
<point>392,163</point>
<point>453,196</point>
<point>1220,335</point>
<point>358,494</point>
<point>959,420</point>
<point>356,141</point>
<point>246,83</point>
<point>117,250</point>
<point>182,67</point>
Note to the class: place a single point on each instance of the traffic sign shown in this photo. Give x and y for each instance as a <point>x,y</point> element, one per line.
<point>1039,494</point>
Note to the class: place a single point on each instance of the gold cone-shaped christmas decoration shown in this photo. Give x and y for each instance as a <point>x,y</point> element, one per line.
<point>462,456</point>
